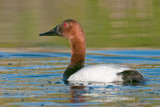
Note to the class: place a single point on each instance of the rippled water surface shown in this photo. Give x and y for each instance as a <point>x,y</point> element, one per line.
<point>34,79</point>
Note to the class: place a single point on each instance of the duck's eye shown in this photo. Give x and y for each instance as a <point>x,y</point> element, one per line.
<point>65,24</point>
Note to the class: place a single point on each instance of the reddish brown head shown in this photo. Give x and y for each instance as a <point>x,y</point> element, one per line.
<point>69,29</point>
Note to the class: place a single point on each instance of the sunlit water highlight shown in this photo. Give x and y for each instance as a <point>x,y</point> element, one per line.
<point>34,79</point>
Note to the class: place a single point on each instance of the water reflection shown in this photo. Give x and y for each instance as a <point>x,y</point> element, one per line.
<point>76,93</point>
<point>107,93</point>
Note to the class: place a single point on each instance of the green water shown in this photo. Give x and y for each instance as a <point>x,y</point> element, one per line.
<point>107,23</point>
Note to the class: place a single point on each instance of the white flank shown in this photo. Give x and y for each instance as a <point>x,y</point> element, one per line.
<point>98,73</point>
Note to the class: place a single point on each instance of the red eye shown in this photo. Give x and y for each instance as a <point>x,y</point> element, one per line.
<point>65,24</point>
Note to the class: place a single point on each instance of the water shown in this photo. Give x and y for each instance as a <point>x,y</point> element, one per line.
<point>34,79</point>
<point>106,23</point>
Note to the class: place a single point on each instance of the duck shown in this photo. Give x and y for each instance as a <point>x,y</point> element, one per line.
<point>72,30</point>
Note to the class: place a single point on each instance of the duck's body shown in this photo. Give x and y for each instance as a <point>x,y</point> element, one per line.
<point>72,30</point>
<point>100,73</point>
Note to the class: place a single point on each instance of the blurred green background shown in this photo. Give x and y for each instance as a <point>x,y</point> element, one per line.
<point>107,23</point>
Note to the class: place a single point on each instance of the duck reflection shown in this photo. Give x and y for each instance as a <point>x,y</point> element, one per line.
<point>76,94</point>
<point>100,92</point>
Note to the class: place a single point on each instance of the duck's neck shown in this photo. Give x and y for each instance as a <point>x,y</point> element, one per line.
<point>77,52</point>
<point>78,48</point>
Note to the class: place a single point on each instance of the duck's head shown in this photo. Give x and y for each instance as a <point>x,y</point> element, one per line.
<point>68,29</point>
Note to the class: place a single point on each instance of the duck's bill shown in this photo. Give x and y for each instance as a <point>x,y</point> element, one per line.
<point>52,32</point>
<point>49,33</point>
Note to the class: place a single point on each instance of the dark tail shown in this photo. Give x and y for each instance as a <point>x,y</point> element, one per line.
<point>131,76</point>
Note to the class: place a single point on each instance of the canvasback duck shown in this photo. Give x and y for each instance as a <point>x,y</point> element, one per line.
<point>76,71</point>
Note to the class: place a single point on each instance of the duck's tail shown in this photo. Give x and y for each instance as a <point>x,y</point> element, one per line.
<point>131,76</point>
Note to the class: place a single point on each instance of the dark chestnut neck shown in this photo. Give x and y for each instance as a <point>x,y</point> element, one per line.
<point>78,48</point>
